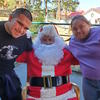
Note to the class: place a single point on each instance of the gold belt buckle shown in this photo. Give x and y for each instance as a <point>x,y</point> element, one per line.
<point>47,79</point>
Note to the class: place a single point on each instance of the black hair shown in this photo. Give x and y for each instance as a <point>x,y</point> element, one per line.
<point>80,17</point>
<point>23,11</point>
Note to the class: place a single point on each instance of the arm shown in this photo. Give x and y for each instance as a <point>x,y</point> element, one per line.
<point>28,38</point>
<point>22,58</point>
<point>69,55</point>
<point>74,61</point>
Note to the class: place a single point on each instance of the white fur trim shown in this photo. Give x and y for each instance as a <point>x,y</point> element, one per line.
<point>47,93</point>
<point>65,96</point>
<point>48,70</point>
<point>50,54</point>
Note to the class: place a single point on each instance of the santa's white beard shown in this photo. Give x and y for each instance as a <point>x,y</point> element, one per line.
<point>49,54</point>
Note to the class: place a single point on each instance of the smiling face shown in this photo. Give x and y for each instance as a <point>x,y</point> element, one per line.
<point>80,29</point>
<point>17,26</point>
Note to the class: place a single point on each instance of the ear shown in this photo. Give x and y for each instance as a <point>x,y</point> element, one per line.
<point>10,17</point>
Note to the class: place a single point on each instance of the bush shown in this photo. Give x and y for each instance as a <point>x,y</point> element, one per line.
<point>5,13</point>
<point>37,17</point>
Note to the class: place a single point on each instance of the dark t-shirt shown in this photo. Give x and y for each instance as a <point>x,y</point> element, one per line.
<point>11,47</point>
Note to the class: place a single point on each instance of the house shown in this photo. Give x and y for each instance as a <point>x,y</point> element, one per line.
<point>70,15</point>
<point>93,15</point>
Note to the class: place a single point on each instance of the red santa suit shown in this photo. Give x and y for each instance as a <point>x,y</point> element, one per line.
<point>47,63</point>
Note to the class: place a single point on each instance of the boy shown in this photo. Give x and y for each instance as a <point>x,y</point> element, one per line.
<point>13,42</point>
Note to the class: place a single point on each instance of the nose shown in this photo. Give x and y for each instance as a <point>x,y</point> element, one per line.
<point>78,30</point>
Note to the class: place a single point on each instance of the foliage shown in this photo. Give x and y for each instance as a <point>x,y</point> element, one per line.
<point>38,4</point>
<point>1,2</point>
<point>39,18</point>
<point>5,13</point>
<point>70,5</point>
<point>37,13</point>
<point>11,4</point>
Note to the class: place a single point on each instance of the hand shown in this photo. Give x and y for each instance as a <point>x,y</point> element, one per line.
<point>28,34</point>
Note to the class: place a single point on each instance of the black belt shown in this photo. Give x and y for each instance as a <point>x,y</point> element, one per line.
<point>48,81</point>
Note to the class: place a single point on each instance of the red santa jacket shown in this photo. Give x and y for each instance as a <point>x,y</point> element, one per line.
<point>35,68</point>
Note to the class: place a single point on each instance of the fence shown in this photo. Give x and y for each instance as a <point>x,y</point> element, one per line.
<point>65,32</point>
<point>63,29</point>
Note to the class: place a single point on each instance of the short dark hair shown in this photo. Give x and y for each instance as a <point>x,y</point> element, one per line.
<point>23,11</point>
<point>80,17</point>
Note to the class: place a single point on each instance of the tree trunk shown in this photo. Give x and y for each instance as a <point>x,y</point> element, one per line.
<point>58,10</point>
<point>46,11</point>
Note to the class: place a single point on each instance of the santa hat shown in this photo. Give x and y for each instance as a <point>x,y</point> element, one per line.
<point>48,30</point>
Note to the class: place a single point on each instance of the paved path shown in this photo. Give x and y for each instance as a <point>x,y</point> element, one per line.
<point>75,77</point>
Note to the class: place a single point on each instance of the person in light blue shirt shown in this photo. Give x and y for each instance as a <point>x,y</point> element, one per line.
<point>85,46</point>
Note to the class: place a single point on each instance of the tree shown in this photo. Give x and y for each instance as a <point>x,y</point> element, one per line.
<point>5,3</point>
<point>70,5</point>
<point>37,13</point>
<point>11,4</point>
<point>46,9</point>
<point>59,10</point>
<point>1,3</point>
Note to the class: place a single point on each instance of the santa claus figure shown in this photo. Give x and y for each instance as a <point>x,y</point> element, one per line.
<point>49,67</point>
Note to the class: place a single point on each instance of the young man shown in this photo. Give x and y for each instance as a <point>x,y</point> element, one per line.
<point>49,67</point>
<point>13,41</point>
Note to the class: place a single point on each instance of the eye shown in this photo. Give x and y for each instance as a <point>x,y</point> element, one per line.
<point>74,29</point>
<point>44,39</point>
<point>26,28</point>
<point>50,39</point>
<point>19,23</point>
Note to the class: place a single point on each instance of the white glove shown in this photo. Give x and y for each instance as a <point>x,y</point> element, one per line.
<point>28,34</point>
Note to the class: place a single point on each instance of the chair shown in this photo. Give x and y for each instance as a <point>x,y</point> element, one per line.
<point>77,90</point>
<point>24,91</point>
<point>74,85</point>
